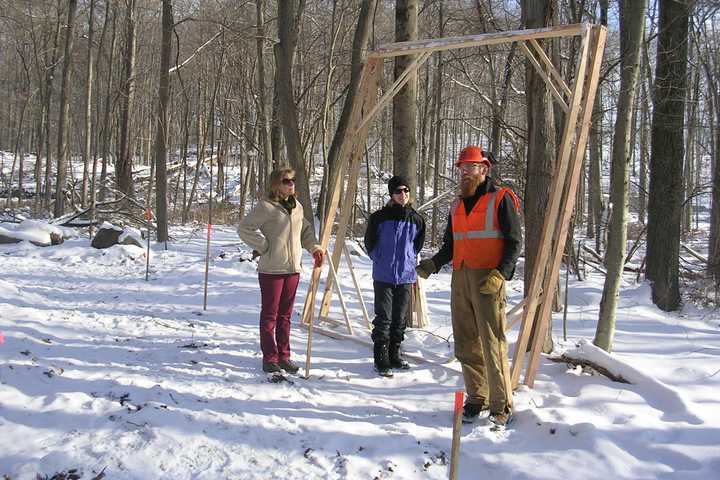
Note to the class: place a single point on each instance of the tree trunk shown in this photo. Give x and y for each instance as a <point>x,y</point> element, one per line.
<point>437,157</point>
<point>541,160</point>
<point>62,150</point>
<point>266,165</point>
<point>49,77</point>
<point>106,115</point>
<point>690,142</point>
<point>123,163</point>
<point>161,127</point>
<point>88,105</point>
<point>642,188</point>
<point>360,41</point>
<point>713,263</point>
<point>404,103</point>
<point>666,160</point>
<point>632,18</point>
<point>289,12</point>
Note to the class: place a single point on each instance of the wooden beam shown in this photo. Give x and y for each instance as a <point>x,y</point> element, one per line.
<point>551,216</point>
<point>551,68</point>
<point>351,186</point>
<point>368,82</point>
<point>341,296</point>
<point>548,81</point>
<point>496,38</point>
<point>431,358</point>
<point>400,82</point>
<point>357,287</point>
<point>598,35</point>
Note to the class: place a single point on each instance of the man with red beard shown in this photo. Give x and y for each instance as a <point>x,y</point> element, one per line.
<point>483,240</point>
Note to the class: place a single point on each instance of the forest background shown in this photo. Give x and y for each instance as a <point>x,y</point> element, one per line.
<point>127,104</point>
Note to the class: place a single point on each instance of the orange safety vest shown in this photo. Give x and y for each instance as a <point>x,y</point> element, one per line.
<point>477,239</point>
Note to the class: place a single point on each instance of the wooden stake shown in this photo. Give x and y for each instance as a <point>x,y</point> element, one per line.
<point>148,217</point>
<point>357,287</point>
<point>342,298</point>
<point>457,426</point>
<point>207,265</point>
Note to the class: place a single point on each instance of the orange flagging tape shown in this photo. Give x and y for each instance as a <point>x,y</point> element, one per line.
<point>459,397</point>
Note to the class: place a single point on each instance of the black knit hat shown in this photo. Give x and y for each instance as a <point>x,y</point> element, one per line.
<point>396,182</point>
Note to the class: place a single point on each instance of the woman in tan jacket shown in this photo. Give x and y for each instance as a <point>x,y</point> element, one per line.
<point>276,229</point>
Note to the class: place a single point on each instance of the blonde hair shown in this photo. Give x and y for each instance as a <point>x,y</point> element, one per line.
<point>275,180</point>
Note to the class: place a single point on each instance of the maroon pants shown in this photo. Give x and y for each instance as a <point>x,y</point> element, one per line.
<point>278,297</point>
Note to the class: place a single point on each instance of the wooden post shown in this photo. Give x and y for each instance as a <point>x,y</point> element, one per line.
<point>357,287</point>
<point>457,426</point>
<point>551,216</point>
<point>372,106</point>
<point>342,298</point>
<point>597,38</point>
<point>368,90</point>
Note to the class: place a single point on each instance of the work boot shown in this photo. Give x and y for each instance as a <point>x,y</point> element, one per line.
<point>270,367</point>
<point>472,411</point>
<point>382,360</point>
<point>501,419</point>
<point>288,366</point>
<point>396,360</point>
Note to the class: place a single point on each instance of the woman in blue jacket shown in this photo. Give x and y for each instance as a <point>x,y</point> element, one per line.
<point>395,235</point>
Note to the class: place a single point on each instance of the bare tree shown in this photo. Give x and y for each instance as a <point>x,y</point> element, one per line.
<point>88,103</point>
<point>289,13</point>
<point>632,19</point>
<point>123,163</point>
<point>267,164</point>
<point>540,147</point>
<point>62,150</point>
<point>666,160</point>
<point>161,128</point>
<point>404,103</point>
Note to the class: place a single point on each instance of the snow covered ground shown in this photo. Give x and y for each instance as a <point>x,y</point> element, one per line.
<point>101,371</point>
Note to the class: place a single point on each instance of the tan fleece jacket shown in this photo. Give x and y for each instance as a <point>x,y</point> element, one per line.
<point>278,236</point>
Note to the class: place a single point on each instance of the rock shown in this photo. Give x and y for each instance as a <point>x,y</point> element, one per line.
<point>106,236</point>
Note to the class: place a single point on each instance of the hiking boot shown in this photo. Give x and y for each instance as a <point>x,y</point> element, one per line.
<point>396,360</point>
<point>501,419</point>
<point>288,366</point>
<point>382,360</point>
<point>271,367</point>
<point>472,411</point>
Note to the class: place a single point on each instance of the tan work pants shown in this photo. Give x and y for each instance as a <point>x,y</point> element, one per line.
<point>478,322</point>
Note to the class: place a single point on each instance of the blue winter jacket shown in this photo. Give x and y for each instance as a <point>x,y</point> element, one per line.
<point>393,238</point>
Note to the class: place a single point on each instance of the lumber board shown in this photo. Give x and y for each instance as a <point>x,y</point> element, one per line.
<point>551,216</point>
<point>495,38</point>
<point>598,40</point>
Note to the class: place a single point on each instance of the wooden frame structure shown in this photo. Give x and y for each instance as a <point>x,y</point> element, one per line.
<point>576,101</point>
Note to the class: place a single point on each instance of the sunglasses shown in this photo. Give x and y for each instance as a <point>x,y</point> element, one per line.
<point>288,181</point>
<point>398,191</point>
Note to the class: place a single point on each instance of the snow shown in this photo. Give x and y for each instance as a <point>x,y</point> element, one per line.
<point>102,371</point>
<point>130,234</point>
<point>35,231</point>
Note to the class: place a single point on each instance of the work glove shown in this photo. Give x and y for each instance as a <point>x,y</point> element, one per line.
<point>493,283</point>
<point>426,268</point>
<point>318,256</point>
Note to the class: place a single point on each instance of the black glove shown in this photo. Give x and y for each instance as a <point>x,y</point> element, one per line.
<point>426,268</point>
<point>255,254</point>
